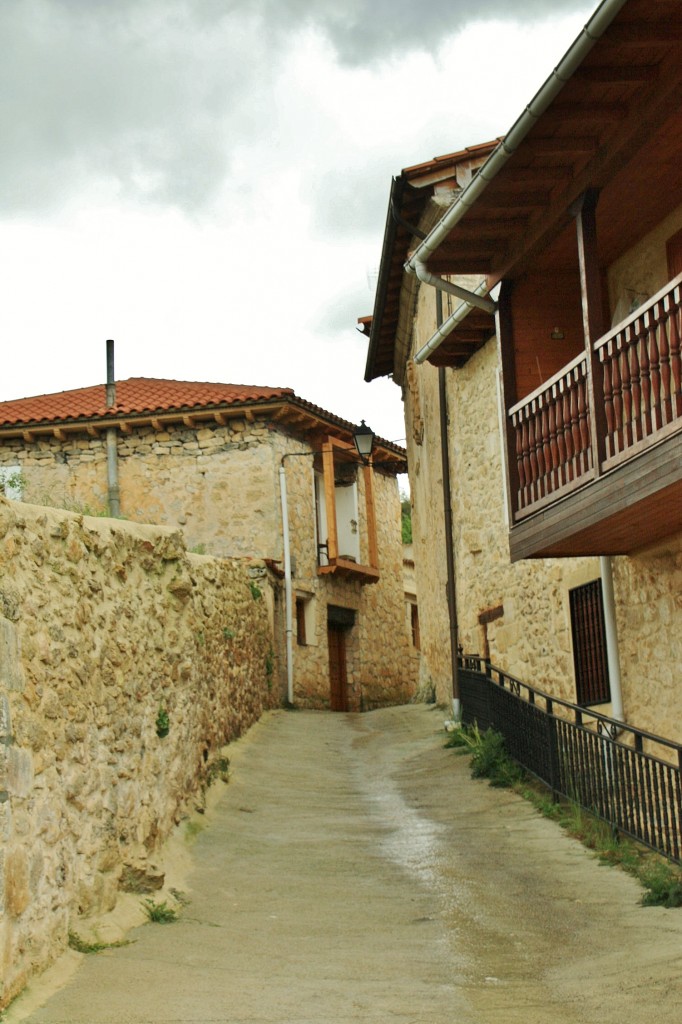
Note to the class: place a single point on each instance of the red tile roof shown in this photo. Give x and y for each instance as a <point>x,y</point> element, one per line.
<point>133,396</point>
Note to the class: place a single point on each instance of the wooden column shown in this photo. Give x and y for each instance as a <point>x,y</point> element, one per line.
<point>593,319</point>
<point>370,514</point>
<point>330,501</point>
<point>507,364</point>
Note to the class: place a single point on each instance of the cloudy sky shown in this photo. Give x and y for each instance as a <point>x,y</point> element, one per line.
<point>206,181</point>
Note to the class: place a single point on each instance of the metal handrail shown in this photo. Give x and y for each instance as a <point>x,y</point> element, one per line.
<point>629,777</point>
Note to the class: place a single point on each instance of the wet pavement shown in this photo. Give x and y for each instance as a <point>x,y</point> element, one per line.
<point>351,871</point>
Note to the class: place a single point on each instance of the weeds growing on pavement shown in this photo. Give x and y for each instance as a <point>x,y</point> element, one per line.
<point>159,913</point>
<point>661,880</point>
<point>82,946</point>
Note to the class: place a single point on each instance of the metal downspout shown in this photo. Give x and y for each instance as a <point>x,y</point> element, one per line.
<point>288,615</point>
<point>449,537</point>
<point>113,492</point>
<point>612,655</point>
<point>416,264</point>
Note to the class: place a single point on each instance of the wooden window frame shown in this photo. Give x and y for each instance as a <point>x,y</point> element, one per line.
<point>334,449</point>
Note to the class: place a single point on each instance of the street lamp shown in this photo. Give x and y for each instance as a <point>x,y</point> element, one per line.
<point>364,441</point>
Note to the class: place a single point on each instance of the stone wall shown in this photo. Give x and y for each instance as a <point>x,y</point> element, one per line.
<point>380,670</point>
<point>177,476</point>
<point>104,624</point>
<point>529,632</point>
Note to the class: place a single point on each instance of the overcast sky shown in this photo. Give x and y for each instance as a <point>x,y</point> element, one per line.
<point>206,181</point>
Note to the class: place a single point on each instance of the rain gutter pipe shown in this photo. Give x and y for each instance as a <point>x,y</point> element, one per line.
<point>113,492</point>
<point>287,583</point>
<point>416,264</point>
<point>612,656</point>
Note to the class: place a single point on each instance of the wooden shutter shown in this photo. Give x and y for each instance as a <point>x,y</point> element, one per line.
<point>589,644</point>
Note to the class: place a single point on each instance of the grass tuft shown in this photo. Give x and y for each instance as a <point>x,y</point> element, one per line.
<point>159,913</point>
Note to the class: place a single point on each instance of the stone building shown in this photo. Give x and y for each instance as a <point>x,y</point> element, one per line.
<point>213,460</point>
<point>536,330</point>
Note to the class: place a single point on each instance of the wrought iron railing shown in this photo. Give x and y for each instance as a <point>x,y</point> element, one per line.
<point>630,778</point>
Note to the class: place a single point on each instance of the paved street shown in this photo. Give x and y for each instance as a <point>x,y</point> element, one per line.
<point>353,872</point>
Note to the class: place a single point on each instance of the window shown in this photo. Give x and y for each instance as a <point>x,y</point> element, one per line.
<point>414,623</point>
<point>346,527</point>
<point>300,622</point>
<point>11,482</point>
<point>589,644</point>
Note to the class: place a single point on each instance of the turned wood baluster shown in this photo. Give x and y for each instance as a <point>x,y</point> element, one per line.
<point>532,445</point>
<point>543,412</point>
<point>664,352</point>
<point>636,390</point>
<point>585,449</point>
<point>568,432</point>
<point>560,433</point>
<point>553,399</point>
<point>520,469</point>
<point>676,355</point>
<point>527,468</point>
<point>617,388</point>
<point>654,320</point>
<point>624,363</point>
<point>607,362</point>
<point>645,378</point>
<point>575,423</point>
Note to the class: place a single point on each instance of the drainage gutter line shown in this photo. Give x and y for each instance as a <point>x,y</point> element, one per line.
<point>416,264</point>
<point>287,583</point>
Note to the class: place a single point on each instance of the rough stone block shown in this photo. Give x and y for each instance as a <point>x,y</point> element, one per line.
<point>17,892</point>
<point>11,669</point>
<point>19,772</point>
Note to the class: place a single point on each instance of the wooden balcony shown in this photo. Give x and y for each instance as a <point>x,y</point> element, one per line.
<point>598,446</point>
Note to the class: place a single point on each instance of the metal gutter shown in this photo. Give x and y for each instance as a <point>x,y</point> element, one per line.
<point>593,30</point>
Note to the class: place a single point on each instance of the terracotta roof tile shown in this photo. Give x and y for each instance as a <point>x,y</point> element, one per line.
<point>135,395</point>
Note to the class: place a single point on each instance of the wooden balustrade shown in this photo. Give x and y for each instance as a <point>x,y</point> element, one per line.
<point>642,375</point>
<point>552,431</point>
<point>641,386</point>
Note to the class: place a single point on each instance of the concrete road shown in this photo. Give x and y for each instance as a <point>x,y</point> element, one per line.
<point>353,872</point>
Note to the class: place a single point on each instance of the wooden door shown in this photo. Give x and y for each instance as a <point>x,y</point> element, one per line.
<point>338,681</point>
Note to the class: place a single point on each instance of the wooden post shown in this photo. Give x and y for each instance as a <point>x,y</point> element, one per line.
<point>505,357</point>
<point>330,501</point>
<point>372,552</point>
<point>593,320</point>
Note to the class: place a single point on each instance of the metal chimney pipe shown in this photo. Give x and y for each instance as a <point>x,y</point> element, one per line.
<point>111,379</point>
<point>113,494</point>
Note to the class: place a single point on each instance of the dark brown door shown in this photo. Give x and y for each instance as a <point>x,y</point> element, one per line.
<point>338,682</point>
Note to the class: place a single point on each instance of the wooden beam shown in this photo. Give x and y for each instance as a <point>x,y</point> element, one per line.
<point>330,500</point>
<point>92,430</point>
<point>220,418</point>
<point>644,33</point>
<point>189,421</point>
<point>125,427</point>
<point>593,318</point>
<point>248,415</point>
<point>619,74</point>
<point>370,511</point>
<point>58,433</point>
<point>506,359</point>
<point>156,424</point>
<point>28,436</point>
<point>584,112</point>
<point>561,145</point>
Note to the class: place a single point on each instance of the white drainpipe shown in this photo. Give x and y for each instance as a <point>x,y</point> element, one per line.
<point>611,638</point>
<point>416,264</point>
<point>287,585</point>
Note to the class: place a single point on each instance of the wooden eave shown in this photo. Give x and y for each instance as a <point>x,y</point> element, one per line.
<point>614,126</point>
<point>411,214</point>
<point>293,414</point>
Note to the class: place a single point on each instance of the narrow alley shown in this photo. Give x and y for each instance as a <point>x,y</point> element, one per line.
<point>353,872</point>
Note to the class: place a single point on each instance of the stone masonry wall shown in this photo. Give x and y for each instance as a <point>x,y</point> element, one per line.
<point>531,637</point>
<point>380,670</point>
<point>103,624</point>
<point>177,476</point>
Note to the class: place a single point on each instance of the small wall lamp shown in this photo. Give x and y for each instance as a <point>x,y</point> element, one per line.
<point>557,334</point>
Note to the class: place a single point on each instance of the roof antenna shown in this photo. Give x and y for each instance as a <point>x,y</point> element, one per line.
<point>111,379</point>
